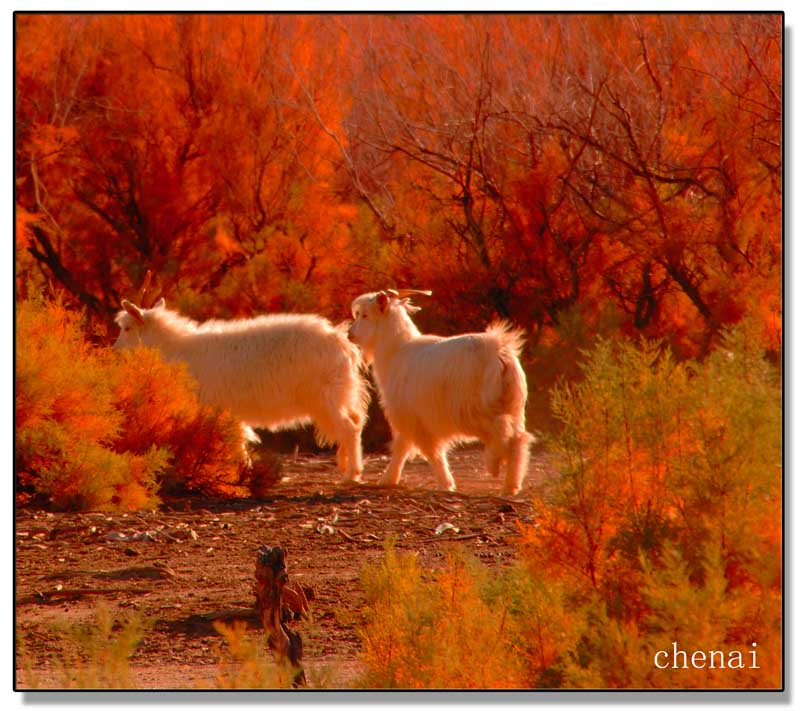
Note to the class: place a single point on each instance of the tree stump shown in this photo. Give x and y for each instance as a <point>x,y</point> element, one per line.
<point>276,605</point>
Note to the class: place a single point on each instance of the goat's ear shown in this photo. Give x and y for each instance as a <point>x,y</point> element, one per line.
<point>160,304</point>
<point>382,299</point>
<point>134,311</point>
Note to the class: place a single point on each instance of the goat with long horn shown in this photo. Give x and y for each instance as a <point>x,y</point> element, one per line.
<point>438,391</point>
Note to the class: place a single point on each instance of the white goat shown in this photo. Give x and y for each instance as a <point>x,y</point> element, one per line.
<point>439,391</point>
<point>275,371</point>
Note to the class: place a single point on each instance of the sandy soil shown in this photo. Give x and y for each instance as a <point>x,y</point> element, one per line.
<point>193,561</point>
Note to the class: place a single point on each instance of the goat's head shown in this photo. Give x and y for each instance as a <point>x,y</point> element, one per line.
<point>132,320</point>
<point>381,313</point>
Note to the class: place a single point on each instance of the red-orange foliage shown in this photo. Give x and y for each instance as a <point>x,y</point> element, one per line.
<point>97,430</point>
<point>286,162</point>
<point>160,408</point>
<point>66,421</point>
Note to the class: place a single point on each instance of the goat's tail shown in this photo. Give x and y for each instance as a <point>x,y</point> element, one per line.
<point>513,384</point>
<point>249,434</point>
<point>510,339</point>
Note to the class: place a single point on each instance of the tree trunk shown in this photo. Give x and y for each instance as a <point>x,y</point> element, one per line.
<point>275,611</point>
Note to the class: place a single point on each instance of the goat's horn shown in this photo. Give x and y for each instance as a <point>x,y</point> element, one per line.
<point>145,286</point>
<point>146,300</point>
<point>402,293</point>
<point>152,298</point>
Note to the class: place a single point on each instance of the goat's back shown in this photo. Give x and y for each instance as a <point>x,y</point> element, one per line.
<point>451,387</point>
<point>272,369</point>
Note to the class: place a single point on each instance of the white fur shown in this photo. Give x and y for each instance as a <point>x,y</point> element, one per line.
<point>276,371</point>
<point>439,391</point>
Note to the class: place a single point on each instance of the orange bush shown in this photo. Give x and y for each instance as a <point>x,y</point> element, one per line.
<point>159,405</point>
<point>379,151</point>
<point>67,421</point>
<point>100,430</point>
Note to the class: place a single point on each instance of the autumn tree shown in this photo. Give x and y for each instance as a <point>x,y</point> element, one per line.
<point>175,143</point>
<point>437,146</point>
<point>610,163</point>
<point>677,131</point>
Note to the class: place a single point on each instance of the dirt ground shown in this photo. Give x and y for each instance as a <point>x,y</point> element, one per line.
<point>194,560</point>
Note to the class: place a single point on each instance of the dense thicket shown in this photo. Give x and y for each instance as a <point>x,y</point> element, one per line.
<point>621,171</point>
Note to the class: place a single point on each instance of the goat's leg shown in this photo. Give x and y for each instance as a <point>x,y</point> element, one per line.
<point>497,438</point>
<point>493,460</point>
<point>438,461</point>
<point>248,436</point>
<point>401,448</point>
<point>341,459</point>
<point>518,457</point>
<point>349,453</point>
<point>337,426</point>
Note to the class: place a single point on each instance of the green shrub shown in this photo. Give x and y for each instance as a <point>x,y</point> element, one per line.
<point>434,632</point>
<point>666,513</point>
<point>96,655</point>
